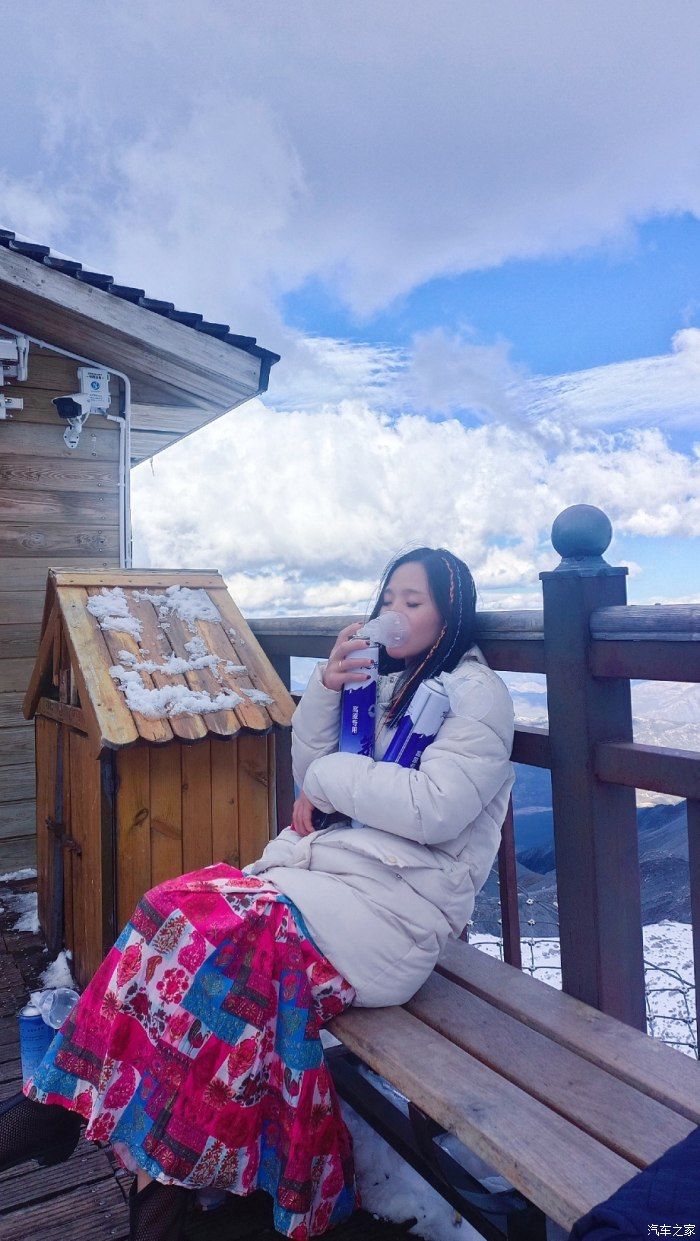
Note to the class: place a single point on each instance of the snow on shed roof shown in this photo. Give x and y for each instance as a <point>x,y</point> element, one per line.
<point>156,656</point>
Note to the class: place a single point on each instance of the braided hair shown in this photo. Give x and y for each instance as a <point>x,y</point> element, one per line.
<point>454,594</point>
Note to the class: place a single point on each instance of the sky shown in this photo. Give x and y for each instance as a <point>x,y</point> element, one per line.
<point>471,231</point>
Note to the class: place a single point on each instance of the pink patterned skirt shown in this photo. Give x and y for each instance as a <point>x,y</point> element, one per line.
<point>195,1050</point>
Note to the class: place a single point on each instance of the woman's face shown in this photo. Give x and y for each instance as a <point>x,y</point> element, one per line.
<point>408,592</point>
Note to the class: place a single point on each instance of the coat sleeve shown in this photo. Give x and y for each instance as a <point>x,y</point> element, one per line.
<point>460,773</point>
<point>315,724</point>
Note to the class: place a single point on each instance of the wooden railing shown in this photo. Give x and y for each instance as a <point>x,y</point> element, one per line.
<point>589,643</point>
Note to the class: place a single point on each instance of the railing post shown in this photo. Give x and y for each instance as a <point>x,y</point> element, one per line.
<point>284,783</point>
<point>595,823</point>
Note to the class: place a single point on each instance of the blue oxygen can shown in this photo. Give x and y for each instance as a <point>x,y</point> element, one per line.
<point>420,725</point>
<point>35,1038</point>
<point>359,708</point>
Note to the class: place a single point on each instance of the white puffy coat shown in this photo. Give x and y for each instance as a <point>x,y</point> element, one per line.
<point>381,900</point>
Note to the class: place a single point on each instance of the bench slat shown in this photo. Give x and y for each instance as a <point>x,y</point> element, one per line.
<point>629,1122</point>
<point>558,1167</point>
<point>660,1071</point>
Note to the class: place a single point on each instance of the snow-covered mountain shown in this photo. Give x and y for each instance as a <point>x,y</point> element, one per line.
<point>668,976</point>
<point>663,864</point>
<point>663,713</point>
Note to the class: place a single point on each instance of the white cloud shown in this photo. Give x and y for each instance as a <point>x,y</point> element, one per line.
<point>302,510</point>
<point>263,592</point>
<point>642,483</point>
<point>319,372</point>
<point>448,373</point>
<point>234,151</point>
<point>676,599</point>
<point>30,208</point>
<point>656,391</point>
<point>444,373</point>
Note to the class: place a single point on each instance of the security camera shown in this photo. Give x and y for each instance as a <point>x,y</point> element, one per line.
<point>75,409</point>
<point>77,406</point>
<point>93,398</point>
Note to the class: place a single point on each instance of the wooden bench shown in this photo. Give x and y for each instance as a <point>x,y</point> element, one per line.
<point>561,1100</point>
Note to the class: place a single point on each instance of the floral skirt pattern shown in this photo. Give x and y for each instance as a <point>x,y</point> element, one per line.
<point>195,1050</point>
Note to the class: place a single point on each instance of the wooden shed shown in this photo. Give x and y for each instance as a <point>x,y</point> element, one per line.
<point>170,371</point>
<point>155,713</point>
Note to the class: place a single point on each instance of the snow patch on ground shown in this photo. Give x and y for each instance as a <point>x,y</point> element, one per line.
<point>668,976</point>
<point>391,1188</point>
<point>9,875</point>
<point>58,973</point>
<point>24,904</point>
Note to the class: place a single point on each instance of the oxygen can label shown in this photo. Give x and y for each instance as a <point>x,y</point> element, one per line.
<point>359,708</point>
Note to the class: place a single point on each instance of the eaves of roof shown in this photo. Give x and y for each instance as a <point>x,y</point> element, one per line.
<point>69,267</point>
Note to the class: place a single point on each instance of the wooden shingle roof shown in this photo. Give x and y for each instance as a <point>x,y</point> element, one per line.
<point>155,656</point>
<point>183,370</point>
<point>167,310</point>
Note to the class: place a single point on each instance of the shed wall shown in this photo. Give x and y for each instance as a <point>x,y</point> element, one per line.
<point>58,507</point>
<point>182,807</point>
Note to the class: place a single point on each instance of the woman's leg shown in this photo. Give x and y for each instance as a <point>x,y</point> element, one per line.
<point>157,1212</point>
<point>30,1130</point>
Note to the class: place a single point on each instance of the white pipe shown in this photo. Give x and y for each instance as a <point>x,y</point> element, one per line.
<point>124,439</point>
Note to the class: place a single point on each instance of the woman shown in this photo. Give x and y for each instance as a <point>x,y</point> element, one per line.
<point>195,1049</point>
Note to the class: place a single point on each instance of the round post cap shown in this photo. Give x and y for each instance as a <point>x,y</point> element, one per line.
<point>581,534</point>
<point>581,531</point>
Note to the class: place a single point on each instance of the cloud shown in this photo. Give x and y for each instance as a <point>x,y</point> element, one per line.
<point>642,483</point>
<point>321,371</point>
<point>656,391</point>
<point>237,151</point>
<point>262,593</point>
<point>445,373</point>
<point>234,153</point>
<point>449,373</point>
<point>30,208</point>
<point>302,510</point>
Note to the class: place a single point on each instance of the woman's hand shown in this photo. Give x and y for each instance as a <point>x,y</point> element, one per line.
<point>302,815</point>
<point>340,670</point>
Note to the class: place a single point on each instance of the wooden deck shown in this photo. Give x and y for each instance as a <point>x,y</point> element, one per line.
<point>85,1198</point>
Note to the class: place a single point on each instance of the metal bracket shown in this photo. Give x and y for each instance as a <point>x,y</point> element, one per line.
<point>14,354</point>
<point>425,1129</point>
<point>64,840</point>
<point>7,403</point>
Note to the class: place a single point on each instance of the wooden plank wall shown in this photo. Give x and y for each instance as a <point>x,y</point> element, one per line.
<point>181,807</point>
<point>58,507</point>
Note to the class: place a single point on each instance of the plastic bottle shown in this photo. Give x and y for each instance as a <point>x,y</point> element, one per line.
<point>55,1005</point>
